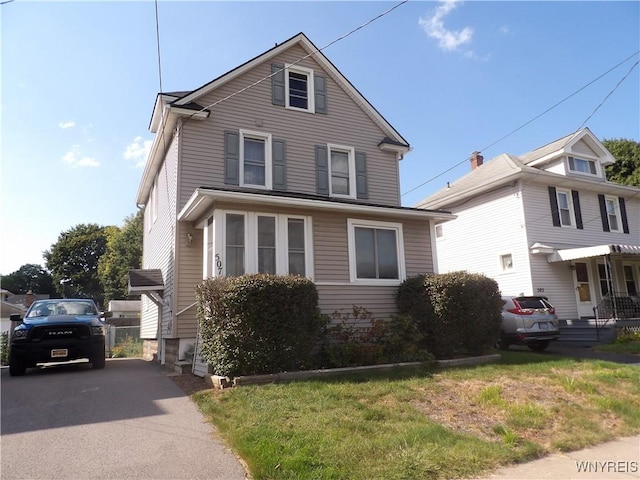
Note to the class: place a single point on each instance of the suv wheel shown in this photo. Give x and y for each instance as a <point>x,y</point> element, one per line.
<point>17,366</point>
<point>539,346</point>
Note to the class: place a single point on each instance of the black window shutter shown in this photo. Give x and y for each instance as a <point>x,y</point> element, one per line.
<point>322,170</point>
<point>277,84</point>
<point>278,159</point>
<point>603,213</point>
<point>623,214</point>
<point>361,175</point>
<point>232,158</point>
<point>576,209</point>
<point>320,86</point>
<point>553,200</point>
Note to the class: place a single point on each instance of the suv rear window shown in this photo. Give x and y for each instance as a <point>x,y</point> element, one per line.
<point>532,303</point>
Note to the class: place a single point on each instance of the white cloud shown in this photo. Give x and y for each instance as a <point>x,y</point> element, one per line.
<point>433,26</point>
<point>65,125</point>
<point>74,158</point>
<point>504,30</point>
<point>138,151</point>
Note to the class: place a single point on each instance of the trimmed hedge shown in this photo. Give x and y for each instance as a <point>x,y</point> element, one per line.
<point>257,324</point>
<point>457,311</point>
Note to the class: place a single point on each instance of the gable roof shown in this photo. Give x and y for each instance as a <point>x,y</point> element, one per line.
<point>313,51</point>
<point>507,168</point>
<point>181,102</point>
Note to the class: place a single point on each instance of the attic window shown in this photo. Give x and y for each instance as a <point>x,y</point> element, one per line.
<point>299,88</point>
<point>580,165</point>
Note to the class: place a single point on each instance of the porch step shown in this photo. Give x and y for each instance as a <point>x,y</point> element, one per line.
<point>183,367</point>
<point>584,333</point>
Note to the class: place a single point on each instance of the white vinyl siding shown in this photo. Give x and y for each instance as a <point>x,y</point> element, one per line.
<point>496,220</point>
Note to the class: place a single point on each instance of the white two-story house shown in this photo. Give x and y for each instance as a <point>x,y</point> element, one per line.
<point>545,223</point>
<point>279,166</point>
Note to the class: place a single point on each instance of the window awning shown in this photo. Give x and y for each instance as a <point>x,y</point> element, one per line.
<point>566,254</point>
<point>148,282</point>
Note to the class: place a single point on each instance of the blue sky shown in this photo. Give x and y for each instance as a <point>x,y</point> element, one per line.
<point>79,81</point>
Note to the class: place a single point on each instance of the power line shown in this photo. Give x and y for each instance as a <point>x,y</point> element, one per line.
<point>532,120</point>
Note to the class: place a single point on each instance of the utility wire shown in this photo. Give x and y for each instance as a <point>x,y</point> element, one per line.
<point>533,119</point>
<point>303,58</point>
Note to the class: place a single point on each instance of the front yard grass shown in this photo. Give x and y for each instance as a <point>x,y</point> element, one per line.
<point>421,424</point>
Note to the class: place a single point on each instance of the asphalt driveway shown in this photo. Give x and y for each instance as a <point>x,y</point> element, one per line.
<point>128,421</point>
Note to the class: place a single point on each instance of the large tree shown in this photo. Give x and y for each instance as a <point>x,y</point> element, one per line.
<point>73,261</point>
<point>123,253</point>
<point>626,170</point>
<point>28,277</point>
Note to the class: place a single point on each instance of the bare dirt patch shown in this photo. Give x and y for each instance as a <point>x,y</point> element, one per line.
<point>458,405</point>
<point>189,383</point>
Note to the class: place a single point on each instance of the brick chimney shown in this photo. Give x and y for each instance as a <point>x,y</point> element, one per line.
<point>476,160</point>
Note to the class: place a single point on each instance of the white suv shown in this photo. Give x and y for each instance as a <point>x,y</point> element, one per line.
<point>529,321</point>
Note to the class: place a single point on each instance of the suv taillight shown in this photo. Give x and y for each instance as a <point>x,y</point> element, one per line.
<point>518,309</point>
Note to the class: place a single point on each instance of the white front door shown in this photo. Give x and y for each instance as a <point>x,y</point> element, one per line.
<point>584,289</point>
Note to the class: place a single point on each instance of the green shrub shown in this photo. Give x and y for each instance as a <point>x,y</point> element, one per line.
<point>357,338</point>
<point>4,348</point>
<point>130,347</point>
<point>257,324</point>
<point>455,311</point>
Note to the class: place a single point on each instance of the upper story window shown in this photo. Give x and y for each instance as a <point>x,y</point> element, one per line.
<point>506,263</point>
<point>342,168</point>
<point>565,209</point>
<point>613,213</point>
<point>376,252</point>
<point>580,165</point>
<point>255,159</point>
<point>298,88</point>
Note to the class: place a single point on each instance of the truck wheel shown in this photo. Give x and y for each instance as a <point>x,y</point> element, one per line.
<point>17,366</point>
<point>98,361</point>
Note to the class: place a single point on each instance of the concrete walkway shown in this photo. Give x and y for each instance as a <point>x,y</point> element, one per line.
<point>617,460</point>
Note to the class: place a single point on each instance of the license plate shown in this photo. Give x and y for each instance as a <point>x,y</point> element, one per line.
<point>59,353</point>
<point>544,326</point>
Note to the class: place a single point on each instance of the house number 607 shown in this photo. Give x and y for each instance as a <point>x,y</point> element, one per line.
<point>218,264</point>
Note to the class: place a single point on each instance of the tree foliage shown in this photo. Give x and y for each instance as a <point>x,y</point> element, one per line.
<point>73,261</point>
<point>28,277</point>
<point>626,170</point>
<point>123,253</point>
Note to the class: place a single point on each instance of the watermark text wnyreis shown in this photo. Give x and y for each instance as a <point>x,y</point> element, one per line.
<point>620,466</point>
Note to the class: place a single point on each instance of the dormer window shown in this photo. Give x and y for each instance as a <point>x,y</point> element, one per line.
<point>580,165</point>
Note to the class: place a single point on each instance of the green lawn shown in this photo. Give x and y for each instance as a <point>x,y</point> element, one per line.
<point>625,343</point>
<point>420,424</point>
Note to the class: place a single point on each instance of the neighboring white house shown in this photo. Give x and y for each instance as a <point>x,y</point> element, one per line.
<point>545,223</point>
<point>124,308</point>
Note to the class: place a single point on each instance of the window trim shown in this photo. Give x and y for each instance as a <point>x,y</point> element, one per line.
<point>268,160</point>
<point>251,241</point>
<point>501,266</point>
<point>311,107</point>
<point>571,159</point>
<point>570,207</point>
<point>351,158</point>
<point>352,224</point>
<point>617,212</point>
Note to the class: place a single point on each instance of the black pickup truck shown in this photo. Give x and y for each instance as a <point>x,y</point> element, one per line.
<point>58,330</point>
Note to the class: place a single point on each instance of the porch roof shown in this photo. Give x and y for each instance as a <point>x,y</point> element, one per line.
<point>204,198</point>
<point>563,255</point>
